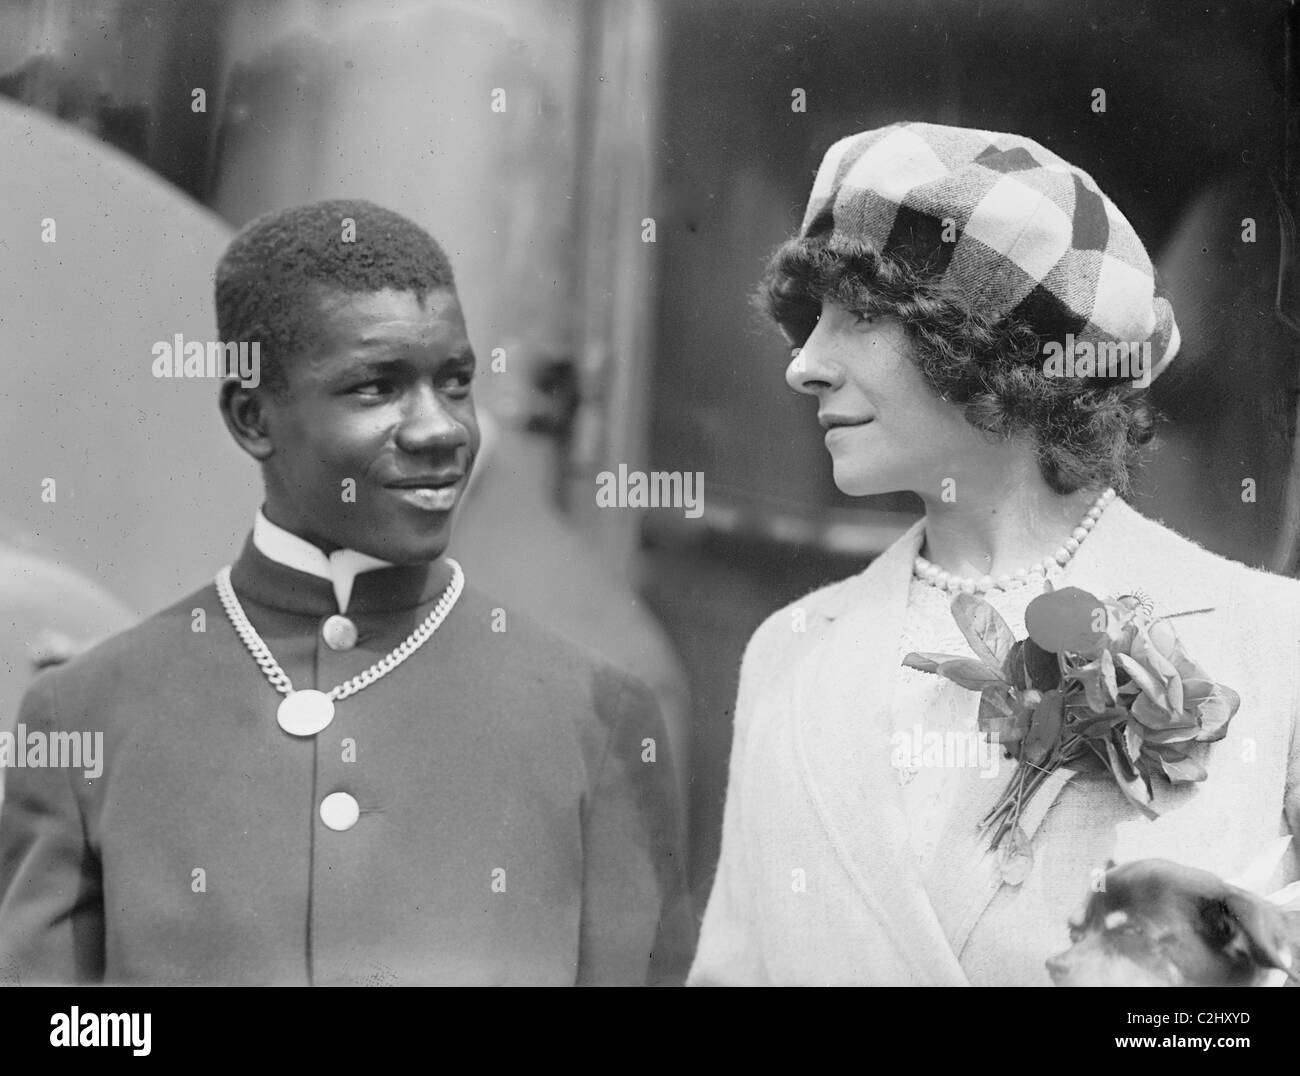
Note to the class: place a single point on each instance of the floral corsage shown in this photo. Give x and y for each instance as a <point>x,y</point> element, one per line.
<point>1100,684</point>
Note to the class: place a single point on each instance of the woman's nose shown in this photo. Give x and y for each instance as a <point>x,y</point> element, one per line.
<point>808,371</point>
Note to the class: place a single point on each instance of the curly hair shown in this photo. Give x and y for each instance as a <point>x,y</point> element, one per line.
<point>275,272</point>
<point>1088,432</point>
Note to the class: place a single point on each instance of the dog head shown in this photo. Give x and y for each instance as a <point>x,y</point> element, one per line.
<point>1158,923</point>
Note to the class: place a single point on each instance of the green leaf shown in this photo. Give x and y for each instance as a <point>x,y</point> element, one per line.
<point>1015,666</point>
<point>925,661</point>
<point>1042,668</point>
<point>1095,727</point>
<point>999,719</point>
<point>1150,687</point>
<point>1094,688</point>
<point>1136,789</point>
<point>987,633</point>
<point>1045,727</point>
<point>1108,674</point>
<point>972,674</point>
<point>1127,768</point>
<point>1216,711</point>
<point>1175,734</point>
<point>1182,771</point>
<point>1132,740</point>
<point>1174,691</point>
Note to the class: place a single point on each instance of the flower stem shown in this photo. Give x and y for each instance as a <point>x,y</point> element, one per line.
<point>1023,786</point>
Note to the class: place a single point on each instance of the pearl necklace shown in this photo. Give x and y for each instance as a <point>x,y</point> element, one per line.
<point>931,573</point>
<point>306,712</point>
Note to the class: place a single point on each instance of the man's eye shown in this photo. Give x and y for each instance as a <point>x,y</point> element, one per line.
<point>462,379</point>
<point>867,319</point>
<point>370,388</point>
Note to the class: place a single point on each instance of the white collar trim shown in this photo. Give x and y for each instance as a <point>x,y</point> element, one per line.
<point>340,567</point>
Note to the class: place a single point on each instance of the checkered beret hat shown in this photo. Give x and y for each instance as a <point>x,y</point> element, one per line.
<point>1014,227</point>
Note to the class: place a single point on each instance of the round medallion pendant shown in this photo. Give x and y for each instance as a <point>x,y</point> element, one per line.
<point>305,713</point>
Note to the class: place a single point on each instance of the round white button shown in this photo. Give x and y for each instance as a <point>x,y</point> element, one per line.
<point>339,633</point>
<point>339,811</point>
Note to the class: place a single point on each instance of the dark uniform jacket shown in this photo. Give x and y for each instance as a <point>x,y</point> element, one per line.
<point>517,819</point>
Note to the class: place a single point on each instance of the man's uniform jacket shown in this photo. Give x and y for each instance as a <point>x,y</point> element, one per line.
<point>517,817</point>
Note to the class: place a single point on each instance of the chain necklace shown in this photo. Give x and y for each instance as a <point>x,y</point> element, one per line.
<point>305,713</point>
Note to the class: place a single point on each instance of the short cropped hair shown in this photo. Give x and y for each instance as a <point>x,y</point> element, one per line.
<point>1088,432</point>
<point>275,272</point>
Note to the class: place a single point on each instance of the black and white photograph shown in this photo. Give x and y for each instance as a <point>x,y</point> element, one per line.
<point>656,493</point>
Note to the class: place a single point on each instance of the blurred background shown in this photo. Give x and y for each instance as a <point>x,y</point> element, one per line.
<point>147,130</point>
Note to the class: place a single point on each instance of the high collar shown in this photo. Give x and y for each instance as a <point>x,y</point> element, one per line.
<point>341,567</point>
<point>390,588</point>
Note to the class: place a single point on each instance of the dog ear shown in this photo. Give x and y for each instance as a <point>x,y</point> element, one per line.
<point>1246,929</point>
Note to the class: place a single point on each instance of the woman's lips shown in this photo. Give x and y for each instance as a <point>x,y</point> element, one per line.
<point>832,433</point>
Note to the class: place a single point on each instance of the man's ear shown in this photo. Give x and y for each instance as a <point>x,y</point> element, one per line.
<point>244,411</point>
<point>1248,930</point>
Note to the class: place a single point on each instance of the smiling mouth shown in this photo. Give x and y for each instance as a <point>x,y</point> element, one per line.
<point>431,500</point>
<point>838,425</point>
<point>430,496</point>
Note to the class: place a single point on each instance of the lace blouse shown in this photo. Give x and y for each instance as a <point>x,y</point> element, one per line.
<point>936,743</point>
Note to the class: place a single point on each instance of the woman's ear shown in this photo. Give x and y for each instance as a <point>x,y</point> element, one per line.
<point>244,411</point>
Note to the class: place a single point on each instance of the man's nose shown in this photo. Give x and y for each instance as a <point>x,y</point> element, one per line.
<point>428,424</point>
<point>810,371</point>
<point>1058,966</point>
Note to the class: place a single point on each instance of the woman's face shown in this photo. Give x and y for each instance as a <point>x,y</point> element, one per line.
<point>886,429</point>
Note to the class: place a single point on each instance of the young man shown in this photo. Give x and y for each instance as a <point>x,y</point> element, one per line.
<point>341,764</point>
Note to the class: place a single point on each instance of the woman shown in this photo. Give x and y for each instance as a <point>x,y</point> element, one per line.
<point>934,269</point>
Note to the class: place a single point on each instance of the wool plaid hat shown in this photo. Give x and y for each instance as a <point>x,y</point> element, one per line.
<point>1016,229</point>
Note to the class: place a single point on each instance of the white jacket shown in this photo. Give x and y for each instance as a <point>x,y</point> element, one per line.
<point>817,883</point>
